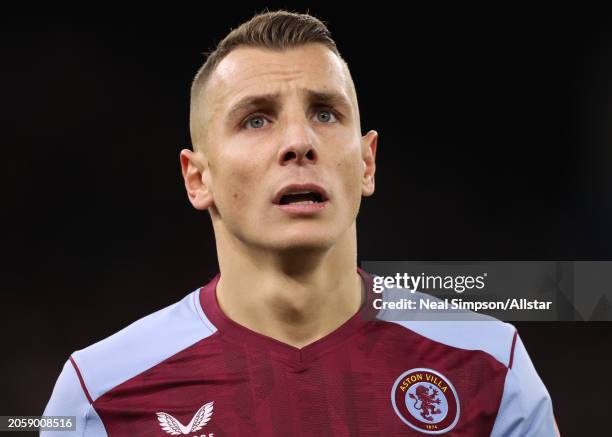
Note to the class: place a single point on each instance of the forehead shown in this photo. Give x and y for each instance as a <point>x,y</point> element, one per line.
<point>248,70</point>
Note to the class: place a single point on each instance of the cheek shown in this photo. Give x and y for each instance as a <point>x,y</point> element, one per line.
<point>234,184</point>
<point>350,170</point>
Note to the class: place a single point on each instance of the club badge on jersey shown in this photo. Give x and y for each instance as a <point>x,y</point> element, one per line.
<point>425,400</point>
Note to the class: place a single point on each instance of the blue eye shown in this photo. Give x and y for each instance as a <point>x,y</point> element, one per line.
<point>256,122</point>
<point>325,116</point>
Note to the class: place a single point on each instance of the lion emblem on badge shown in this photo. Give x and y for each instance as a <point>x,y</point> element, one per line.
<point>427,397</point>
<point>426,400</point>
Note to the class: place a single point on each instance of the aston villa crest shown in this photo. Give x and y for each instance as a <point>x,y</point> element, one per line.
<point>426,401</point>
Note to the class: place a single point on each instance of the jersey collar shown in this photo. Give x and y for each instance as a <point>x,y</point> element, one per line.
<point>237,333</point>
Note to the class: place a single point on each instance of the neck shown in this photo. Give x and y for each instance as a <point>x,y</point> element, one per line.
<point>295,297</point>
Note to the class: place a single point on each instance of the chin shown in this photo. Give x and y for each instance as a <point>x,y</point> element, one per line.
<point>307,244</point>
<point>303,241</point>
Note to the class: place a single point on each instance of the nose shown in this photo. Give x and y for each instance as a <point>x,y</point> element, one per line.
<point>299,147</point>
<point>300,153</point>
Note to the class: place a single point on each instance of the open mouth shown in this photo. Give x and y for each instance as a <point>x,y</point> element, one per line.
<point>302,198</point>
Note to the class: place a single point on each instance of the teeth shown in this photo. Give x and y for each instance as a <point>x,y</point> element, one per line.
<point>302,197</point>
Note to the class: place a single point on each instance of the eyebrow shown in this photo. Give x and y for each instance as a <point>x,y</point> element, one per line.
<point>250,102</point>
<point>332,98</point>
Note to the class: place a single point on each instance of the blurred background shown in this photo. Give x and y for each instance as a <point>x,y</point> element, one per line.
<point>495,144</point>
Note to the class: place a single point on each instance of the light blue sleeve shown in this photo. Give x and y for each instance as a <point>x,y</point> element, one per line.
<point>69,399</point>
<point>97,369</point>
<point>526,407</point>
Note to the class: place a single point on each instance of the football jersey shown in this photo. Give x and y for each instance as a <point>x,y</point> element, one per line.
<point>189,370</point>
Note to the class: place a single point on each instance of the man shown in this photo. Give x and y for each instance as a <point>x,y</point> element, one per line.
<point>285,340</point>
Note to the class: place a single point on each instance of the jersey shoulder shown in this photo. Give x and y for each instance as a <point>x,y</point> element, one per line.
<point>141,345</point>
<point>460,329</point>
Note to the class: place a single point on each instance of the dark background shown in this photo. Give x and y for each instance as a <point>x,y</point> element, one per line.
<point>494,145</point>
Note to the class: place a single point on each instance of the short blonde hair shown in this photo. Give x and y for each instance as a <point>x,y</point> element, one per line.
<point>277,30</point>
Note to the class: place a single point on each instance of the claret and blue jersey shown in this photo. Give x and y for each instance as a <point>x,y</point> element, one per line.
<point>190,370</point>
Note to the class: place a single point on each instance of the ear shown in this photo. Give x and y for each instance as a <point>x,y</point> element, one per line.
<point>195,169</point>
<point>369,142</point>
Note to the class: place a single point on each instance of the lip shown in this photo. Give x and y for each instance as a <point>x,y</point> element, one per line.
<point>301,209</point>
<point>299,187</point>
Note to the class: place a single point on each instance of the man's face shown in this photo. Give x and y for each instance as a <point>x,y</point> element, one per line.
<point>286,165</point>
